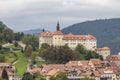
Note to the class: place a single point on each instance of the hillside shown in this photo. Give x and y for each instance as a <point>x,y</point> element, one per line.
<point>106,31</point>
<point>36,32</point>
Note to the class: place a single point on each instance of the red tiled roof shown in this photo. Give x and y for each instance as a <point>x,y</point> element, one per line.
<point>95,61</point>
<point>52,72</point>
<point>78,37</point>
<point>44,34</point>
<point>104,48</point>
<point>5,64</point>
<point>96,73</point>
<point>57,33</point>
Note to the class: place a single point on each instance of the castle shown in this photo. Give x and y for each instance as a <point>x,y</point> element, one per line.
<point>57,38</point>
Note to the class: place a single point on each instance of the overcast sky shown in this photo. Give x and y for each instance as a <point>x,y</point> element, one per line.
<point>33,14</point>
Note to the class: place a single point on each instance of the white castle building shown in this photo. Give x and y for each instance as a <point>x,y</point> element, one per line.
<point>57,38</point>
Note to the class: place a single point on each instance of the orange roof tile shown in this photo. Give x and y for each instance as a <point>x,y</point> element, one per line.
<point>52,72</point>
<point>104,48</point>
<point>95,61</point>
<point>57,33</point>
<point>96,73</point>
<point>44,34</point>
<point>78,37</point>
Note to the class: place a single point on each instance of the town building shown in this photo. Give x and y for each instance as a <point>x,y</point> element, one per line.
<point>57,38</point>
<point>11,70</point>
<point>75,70</point>
<point>105,51</point>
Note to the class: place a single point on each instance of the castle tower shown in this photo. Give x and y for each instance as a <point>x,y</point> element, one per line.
<point>43,30</point>
<point>58,26</point>
<point>58,36</point>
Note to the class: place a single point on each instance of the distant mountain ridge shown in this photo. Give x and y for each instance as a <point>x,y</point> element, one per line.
<point>36,32</point>
<point>107,32</point>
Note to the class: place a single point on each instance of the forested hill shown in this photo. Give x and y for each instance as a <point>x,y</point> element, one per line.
<point>106,31</point>
<point>6,34</point>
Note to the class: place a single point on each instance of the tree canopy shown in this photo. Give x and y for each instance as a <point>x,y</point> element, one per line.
<point>27,76</point>
<point>6,34</point>
<point>59,54</point>
<point>83,53</point>
<point>31,40</point>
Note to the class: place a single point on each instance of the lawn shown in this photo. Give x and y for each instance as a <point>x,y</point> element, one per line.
<point>21,65</point>
<point>10,57</point>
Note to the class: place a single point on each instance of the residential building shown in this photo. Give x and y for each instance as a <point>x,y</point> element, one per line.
<point>105,51</point>
<point>11,70</point>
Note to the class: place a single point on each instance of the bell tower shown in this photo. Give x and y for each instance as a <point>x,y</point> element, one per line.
<point>58,26</point>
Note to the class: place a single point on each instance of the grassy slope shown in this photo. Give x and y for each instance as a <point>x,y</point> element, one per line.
<point>21,65</point>
<point>10,57</point>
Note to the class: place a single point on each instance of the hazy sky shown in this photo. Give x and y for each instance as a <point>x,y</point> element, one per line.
<point>32,14</point>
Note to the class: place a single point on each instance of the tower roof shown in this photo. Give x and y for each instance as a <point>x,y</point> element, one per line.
<point>58,26</point>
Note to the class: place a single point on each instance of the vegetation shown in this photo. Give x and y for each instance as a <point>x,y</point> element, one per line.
<point>106,31</point>
<point>59,76</point>
<point>22,61</point>
<point>86,78</point>
<point>18,36</point>
<point>6,34</point>
<point>28,51</point>
<point>2,58</point>
<point>31,40</point>
<point>60,54</point>
<point>5,75</point>
<point>82,53</point>
<point>27,76</point>
<point>37,76</point>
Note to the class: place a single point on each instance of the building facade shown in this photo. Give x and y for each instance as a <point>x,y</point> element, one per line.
<point>57,38</point>
<point>105,51</point>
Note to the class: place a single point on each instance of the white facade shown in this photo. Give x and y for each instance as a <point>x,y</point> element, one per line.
<point>57,38</point>
<point>105,51</point>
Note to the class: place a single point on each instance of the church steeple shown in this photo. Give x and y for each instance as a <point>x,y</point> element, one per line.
<point>43,30</point>
<point>58,26</point>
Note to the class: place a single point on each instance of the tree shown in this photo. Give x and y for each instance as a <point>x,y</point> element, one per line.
<point>92,54</point>
<point>0,46</point>
<point>16,44</point>
<point>59,76</point>
<point>80,49</point>
<point>37,76</point>
<point>45,46</point>
<point>4,74</point>
<point>59,54</point>
<point>28,51</point>
<point>27,76</point>
<point>31,40</point>
<point>8,34</point>
<point>2,58</point>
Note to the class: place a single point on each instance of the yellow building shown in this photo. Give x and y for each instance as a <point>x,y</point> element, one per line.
<point>57,38</point>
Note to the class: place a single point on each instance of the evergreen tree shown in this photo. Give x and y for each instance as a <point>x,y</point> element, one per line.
<point>4,74</point>
<point>28,51</point>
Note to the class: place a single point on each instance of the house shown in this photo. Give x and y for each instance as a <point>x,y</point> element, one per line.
<point>105,51</point>
<point>11,70</point>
